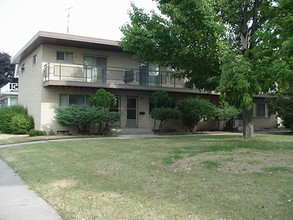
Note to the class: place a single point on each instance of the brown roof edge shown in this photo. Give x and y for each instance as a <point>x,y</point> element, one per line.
<point>43,37</point>
<point>78,38</point>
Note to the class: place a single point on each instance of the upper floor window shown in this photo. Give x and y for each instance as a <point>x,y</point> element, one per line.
<point>149,74</point>
<point>35,59</point>
<point>67,56</point>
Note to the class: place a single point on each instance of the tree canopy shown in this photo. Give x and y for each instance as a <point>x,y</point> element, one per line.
<point>256,58</point>
<point>185,37</point>
<point>6,69</point>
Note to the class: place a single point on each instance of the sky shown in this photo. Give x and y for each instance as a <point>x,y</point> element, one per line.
<point>21,20</point>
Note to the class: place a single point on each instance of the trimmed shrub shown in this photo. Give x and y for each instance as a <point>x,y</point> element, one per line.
<point>226,113</point>
<point>161,108</point>
<point>164,114</point>
<point>195,109</point>
<point>160,99</point>
<point>15,119</point>
<point>34,132</point>
<point>21,124</point>
<point>103,99</point>
<point>82,117</point>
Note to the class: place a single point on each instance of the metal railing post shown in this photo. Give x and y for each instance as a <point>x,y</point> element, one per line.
<point>174,82</point>
<point>60,72</point>
<point>48,70</point>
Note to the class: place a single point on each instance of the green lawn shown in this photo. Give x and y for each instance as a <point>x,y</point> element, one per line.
<point>198,177</point>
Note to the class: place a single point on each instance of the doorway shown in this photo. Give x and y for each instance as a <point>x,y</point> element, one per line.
<point>131,111</point>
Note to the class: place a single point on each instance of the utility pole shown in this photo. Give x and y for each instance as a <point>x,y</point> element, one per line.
<point>68,15</point>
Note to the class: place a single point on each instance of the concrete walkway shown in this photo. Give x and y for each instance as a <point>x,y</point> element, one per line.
<point>80,139</point>
<point>18,202</point>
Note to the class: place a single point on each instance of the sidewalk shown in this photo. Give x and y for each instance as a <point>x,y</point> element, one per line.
<point>18,202</point>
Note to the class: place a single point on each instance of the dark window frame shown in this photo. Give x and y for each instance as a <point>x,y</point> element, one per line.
<point>35,59</point>
<point>64,56</point>
<point>261,110</point>
<point>67,96</point>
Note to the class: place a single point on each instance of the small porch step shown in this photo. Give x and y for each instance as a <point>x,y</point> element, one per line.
<point>131,131</point>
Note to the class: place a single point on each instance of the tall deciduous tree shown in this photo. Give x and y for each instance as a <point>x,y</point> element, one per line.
<point>6,69</point>
<point>253,53</point>
<point>257,58</point>
<point>185,37</point>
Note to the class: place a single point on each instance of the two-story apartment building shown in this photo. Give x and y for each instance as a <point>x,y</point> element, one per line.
<point>61,69</point>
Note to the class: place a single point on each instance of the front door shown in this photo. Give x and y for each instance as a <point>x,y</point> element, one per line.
<point>131,111</point>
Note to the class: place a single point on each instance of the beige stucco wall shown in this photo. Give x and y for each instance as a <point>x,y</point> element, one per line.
<point>114,59</point>
<point>30,86</point>
<point>52,96</point>
<point>265,122</point>
<point>51,100</point>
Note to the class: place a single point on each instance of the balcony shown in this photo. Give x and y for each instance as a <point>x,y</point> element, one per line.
<point>9,89</point>
<point>57,74</point>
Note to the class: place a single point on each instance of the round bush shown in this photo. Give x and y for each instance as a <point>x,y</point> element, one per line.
<point>34,132</point>
<point>21,124</point>
<point>15,119</point>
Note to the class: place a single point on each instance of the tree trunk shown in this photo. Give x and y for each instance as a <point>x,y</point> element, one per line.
<point>244,28</point>
<point>154,129</point>
<point>105,128</point>
<point>248,127</point>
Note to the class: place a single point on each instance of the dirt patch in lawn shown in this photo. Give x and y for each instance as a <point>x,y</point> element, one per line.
<point>238,161</point>
<point>64,183</point>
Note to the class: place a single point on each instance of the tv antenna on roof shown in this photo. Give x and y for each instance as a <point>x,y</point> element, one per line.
<point>68,15</point>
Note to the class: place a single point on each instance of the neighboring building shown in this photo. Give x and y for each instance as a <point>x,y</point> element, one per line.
<point>61,69</point>
<point>9,95</point>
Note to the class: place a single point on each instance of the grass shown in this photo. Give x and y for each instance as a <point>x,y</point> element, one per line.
<point>210,164</point>
<point>198,177</point>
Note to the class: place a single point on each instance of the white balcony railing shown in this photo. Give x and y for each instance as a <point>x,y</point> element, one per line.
<point>116,75</point>
<point>9,89</point>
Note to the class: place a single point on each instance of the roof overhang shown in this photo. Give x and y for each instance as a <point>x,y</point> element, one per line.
<point>65,40</point>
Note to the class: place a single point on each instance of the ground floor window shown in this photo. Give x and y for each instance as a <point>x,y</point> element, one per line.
<point>13,101</point>
<point>68,99</point>
<point>9,101</point>
<point>3,102</point>
<point>261,110</point>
